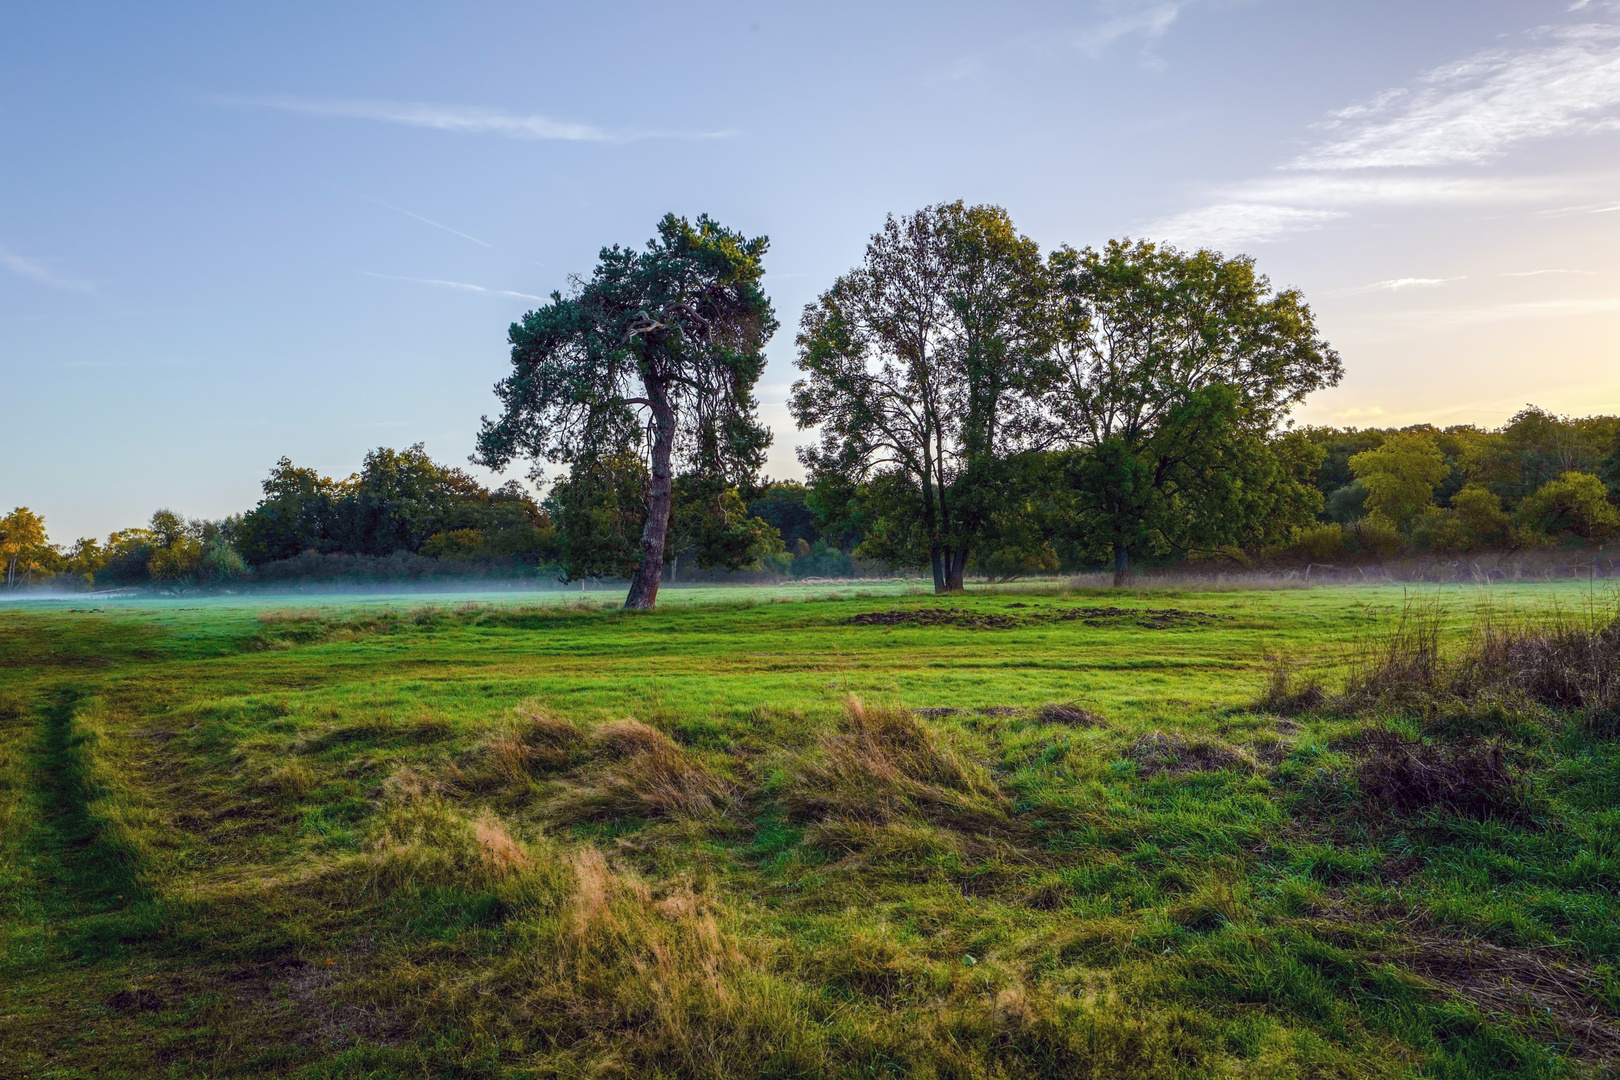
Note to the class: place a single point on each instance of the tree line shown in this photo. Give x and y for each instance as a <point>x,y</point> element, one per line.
<point>980,405</point>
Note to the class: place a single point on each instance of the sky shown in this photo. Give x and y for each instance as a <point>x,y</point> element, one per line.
<point>233,232</point>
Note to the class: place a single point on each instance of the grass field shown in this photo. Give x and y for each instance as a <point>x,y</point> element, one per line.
<point>794,832</point>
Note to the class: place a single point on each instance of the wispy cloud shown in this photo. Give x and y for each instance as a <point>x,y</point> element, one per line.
<point>428,221</point>
<point>1225,224</point>
<point>1477,109</point>
<point>471,119</point>
<point>1540,273</point>
<point>1400,283</point>
<point>461,286</point>
<point>1394,150</point>
<point>35,270</point>
<point>1127,19</point>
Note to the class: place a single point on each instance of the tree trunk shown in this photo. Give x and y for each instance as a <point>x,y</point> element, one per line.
<point>644,585</point>
<point>936,560</point>
<point>1122,564</point>
<point>958,565</point>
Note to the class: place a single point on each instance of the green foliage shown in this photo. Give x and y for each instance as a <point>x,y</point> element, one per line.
<point>1205,479</point>
<point>1400,476</point>
<point>786,505</point>
<point>714,525</point>
<point>1576,504</point>
<point>1479,511</point>
<point>25,549</point>
<point>601,510</point>
<point>398,501</point>
<point>1321,541</point>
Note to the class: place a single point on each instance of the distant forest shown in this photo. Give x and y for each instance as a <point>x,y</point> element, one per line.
<point>982,407</point>
<point>1384,493</point>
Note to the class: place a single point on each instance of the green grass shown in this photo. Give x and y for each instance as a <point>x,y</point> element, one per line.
<point>411,836</point>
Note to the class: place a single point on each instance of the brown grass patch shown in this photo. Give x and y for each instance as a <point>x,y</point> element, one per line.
<point>1173,753</point>
<point>1403,776</point>
<point>1531,984</point>
<point>1069,714</point>
<point>885,765</point>
<point>626,983</point>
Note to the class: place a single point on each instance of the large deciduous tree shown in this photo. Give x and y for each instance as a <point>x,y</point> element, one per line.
<point>1172,376</point>
<point>657,353</point>
<point>915,365</point>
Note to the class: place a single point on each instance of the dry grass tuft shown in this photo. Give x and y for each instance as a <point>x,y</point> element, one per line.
<point>1028,1033</point>
<point>622,983</point>
<point>885,766</point>
<point>641,772</point>
<point>502,855</point>
<point>622,739</point>
<point>1158,752</point>
<point>1284,694</point>
<point>424,842</point>
<point>1566,662</point>
<point>510,755</point>
<point>1404,776</point>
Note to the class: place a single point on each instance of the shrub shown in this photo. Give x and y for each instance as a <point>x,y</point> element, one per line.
<point>1321,541</point>
<point>1377,534</point>
<point>1479,510</point>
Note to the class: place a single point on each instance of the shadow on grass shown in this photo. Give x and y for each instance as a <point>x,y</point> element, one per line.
<point>90,878</point>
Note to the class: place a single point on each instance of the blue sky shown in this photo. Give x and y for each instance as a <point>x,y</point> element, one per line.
<point>233,232</point>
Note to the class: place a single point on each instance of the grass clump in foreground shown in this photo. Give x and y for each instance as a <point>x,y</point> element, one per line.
<point>788,840</point>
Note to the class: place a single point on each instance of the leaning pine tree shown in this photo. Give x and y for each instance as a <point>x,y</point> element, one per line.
<point>657,353</point>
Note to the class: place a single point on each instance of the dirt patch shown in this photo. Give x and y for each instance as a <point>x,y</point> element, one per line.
<point>1147,618</point>
<point>938,711</point>
<point>972,620</point>
<point>1162,753</point>
<point>134,1001</point>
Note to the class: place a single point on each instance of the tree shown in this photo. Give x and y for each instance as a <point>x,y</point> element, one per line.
<point>659,351</point>
<point>293,516</point>
<point>1479,510</point>
<point>1400,476</point>
<point>24,546</point>
<point>916,366</point>
<point>1575,503</point>
<point>1170,377</point>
